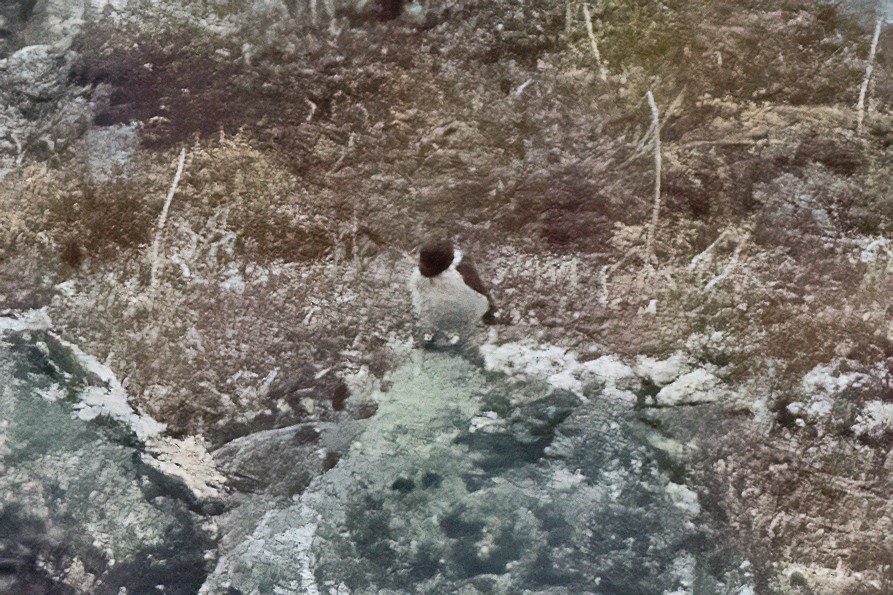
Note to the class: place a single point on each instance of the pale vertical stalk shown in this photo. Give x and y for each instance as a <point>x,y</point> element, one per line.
<point>655,212</point>
<point>355,232</point>
<point>568,16</point>
<point>162,220</point>
<point>603,281</point>
<point>329,5</point>
<point>602,73</point>
<point>869,69</point>
<point>20,151</point>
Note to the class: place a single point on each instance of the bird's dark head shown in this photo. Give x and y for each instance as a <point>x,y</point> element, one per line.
<point>435,257</point>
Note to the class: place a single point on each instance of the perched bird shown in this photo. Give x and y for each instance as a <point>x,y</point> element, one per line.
<point>447,293</point>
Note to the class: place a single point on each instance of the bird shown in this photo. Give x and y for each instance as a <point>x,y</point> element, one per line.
<point>448,295</point>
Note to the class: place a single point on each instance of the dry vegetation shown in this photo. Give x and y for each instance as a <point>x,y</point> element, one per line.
<point>327,157</point>
<point>343,150</point>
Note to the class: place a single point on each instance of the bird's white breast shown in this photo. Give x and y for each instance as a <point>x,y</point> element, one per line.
<point>445,303</point>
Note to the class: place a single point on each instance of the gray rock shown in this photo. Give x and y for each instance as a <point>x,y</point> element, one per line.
<point>699,386</point>
<point>43,113</point>
<point>278,462</point>
<point>662,372</point>
<point>466,482</point>
<point>38,72</point>
<point>75,493</point>
<point>110,150</point>
<point>55,21</point>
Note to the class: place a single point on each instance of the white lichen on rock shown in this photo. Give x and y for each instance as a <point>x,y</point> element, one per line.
<point>876,416</point>
<point>561,369</point>
<point>663,372</point>
<point>699,386</point>
<point>186,460</point>
<point>32,320</point>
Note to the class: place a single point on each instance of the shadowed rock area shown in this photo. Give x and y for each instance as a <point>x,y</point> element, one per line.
<point>79,510</point>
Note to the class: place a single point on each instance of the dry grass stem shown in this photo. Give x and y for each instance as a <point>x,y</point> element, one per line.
<point>702,256</point>
<point>568,17</point>
<point>655,212</point>
<point>730,266</point>
<point>602,73</point>
<point>155,259</point>
<point>869,69</point>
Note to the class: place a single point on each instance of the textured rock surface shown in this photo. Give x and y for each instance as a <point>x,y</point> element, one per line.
<point>110,151</point>
<point>463,480</point>
<point>698,386</point>
<point>79,510</point>
<point>42,112</point>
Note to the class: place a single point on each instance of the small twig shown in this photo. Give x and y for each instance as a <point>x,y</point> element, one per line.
<point>602,73</point>
<point>703,255</point>
<point>162,220</point>
<point>309,316</point>
<point>568,16</point>
<point>520,88</point>
<point>354,234</point>
<point>645,140</point>
<point>20,151</point>
<point>730,143</point>
<point>655,212</point>
<point>313,108</point>
<point>607,271</point>
<point>603,281</point>
<point>869,69</point>
<point>334,29</point>
<point>344,151</point>
<point>623,261</point>
<point>730,266</point>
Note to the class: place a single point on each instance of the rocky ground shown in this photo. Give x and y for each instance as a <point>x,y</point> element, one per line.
<point>753,351</point>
